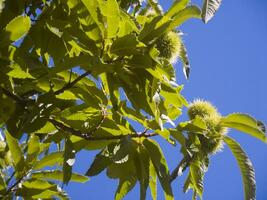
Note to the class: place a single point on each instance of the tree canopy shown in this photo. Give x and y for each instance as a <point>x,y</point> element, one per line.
<point>79,74</point>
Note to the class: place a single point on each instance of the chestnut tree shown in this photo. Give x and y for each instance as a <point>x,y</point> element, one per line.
<point>76,74</point>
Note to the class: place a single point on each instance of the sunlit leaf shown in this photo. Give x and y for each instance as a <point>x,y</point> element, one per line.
<point>49,160</point>
<point>244,123</point>
<point>33,149</point>
<point>15,30</point>
<point>209,9</point>
<point>58,175</point>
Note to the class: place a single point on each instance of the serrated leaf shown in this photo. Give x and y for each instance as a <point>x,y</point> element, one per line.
<point>17,72</point>
<point>16,153</point>
<point>195,125</point>
<point>126,45</point>
<point>37,184</point>
<point>197,177</point>
<point>141,161</point>
<point>111,11</point>
<point>33,149</point>
<point>58,175</point>
<point>100,162</point>
<point>176,7</point>
<point>49,160</point>
<point>209,9</point>
<point>38,189</point>
<point>124,187</point>
<point>246,168</point>
<point>161,167</point>
<point>93,9</point>
<point>153,181</point>
<point>15,29</point>
<point>154,29</point>
<point>244,123</point>
<point>184,15</point>
<point>69,159</point>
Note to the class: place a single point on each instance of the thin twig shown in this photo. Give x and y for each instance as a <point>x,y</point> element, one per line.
<point>71,84</point>
<point>88,136</point>
<point>14,185</point>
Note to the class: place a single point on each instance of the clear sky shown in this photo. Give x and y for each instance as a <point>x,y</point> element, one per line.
<point>229,68</point>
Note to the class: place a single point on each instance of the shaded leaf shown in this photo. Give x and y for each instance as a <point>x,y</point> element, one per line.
<point>16,153</point>
<point>160,166</point>
<point>69,159</point>
<point>100,162</point>
<point>246,168</point>
<point>124,187</point>
<point>153,181</point>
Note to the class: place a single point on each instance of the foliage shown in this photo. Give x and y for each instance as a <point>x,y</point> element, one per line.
<point>75,74</point>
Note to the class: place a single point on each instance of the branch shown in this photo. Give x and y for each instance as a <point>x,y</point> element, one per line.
<point>11,95</point>
<point>17,183</point>
<point>89,137</point>
<point>71,84</point>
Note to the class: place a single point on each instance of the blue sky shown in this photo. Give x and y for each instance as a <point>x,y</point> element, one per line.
<point>229,67</point>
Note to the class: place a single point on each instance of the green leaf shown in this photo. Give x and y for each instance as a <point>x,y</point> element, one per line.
<point>16,153</point>
<point>153,181</point>
<point>124,187</point>
<point>111,11</point>
<point>209,9</point>
<point>17,72</point>
<point>185,14</point>
<point>141,161</point>
<point>58,175</point>
<point>154,28</point>
<point>160,166</point>
<point>195,125</point>
<point>14,30</point>
<point>93,9</point>
<point>126,45</point>
<point>244,123</point>
<point>40,189</point>
<point>176,7</point>
<point>196,173</point>
<point>69,160</point>
<point>246,168</point>
<point>2,184</point>
<point>100,162</point>
<point>33,149</point>
<point>49,160</point>
<point>37,184</point>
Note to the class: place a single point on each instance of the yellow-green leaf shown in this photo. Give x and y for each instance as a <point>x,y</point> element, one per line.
<point>244,123</point>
